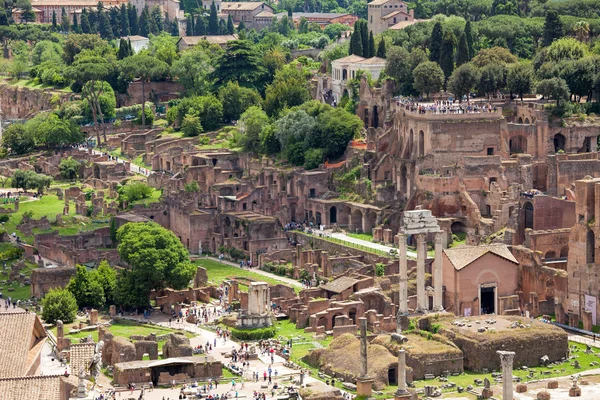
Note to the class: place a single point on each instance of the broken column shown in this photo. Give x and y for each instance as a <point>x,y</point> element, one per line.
<point>403,295</point>
<point>437,274</point>
<point>93,317</point>
<point>421,255</point>
<point>402,393</point>
<point>506,360</point>
<point>363,382</point>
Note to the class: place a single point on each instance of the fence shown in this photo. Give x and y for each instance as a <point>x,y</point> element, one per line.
<point>352,245</point>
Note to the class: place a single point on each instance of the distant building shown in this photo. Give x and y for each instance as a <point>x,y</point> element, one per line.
<point>346,68</point>
<point>186,42</point>
<point>383,14</point>
<point>138,42</point>
<point>246,11</point>
<point>72,7</point>
<point>323,19</point>
<point>17,15</point>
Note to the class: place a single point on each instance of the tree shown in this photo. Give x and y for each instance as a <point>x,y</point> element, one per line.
<point>75,26</point>
<point>493,56</point>
<point>133,19</point>
<point>250,126</point>
<point>124,21</point>
<point>462,52</point>
<point>582,31</point>
<point>17,140</point>
<point>303,25</point>
<point>87,291</point>
<point>69,168</point>
<point>428,78</point>
<point>335,127</point>
<point>239,62</point>
<point>200,27</point>
<point>554,88</point>
<point>146,68</point>
<point>59,304</point>
<point>174,29</point>
<point>54,23</point>
<point>192,71</point>
<point>435,42</point>
<point>364,35</point>
<point>189,25</point>
<point>208,108</point>
<point>191,126</point>
<point>237,99</point>
<point>381,49</point>
<point>288,89</point>
<point>519,79</point>
<point>553,28</point>
<point>222,27</point>
<point>164,47</point>
<point>65,24</point>
<point>371,45</point>
<point>157,259</point>
<point>398,68</point>
<point>447,55</point>
<point>104,26</point>
<point>85,24</point>
<point>123,51</point>
<point>463,80</point>
<point>144,24</point>
<point>107,278</point>
<point>469,37</point>
<point>356,47</point>
<point>241,26</point>
<point>213,20</point>
<point>493,78</point>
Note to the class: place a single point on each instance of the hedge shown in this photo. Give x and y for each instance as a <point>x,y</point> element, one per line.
<point>253,334</point>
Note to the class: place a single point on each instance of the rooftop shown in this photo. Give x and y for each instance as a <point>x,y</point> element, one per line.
<point>241,5</point>
<point>462,256</point>
<point>216,39</point>
<point>340,284</point>
<point>21,339</point>
<point>31,388</point>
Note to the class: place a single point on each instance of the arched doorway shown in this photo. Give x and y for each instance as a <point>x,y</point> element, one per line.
<point>520,120</point>
<point>344,74</point>
<point>559,142</point>
<point>370,222</point>
<point>357,220</point>
<point>318,218</point>
<point>333,215</point>
<point>96,172</point>
<point>375,117</point>
<point>333,320</point>
<point>459,231</point>
<point>518,145</point>
<point>403,189</point>
<point>527,121</point>
<point>550,255</point>
<point>393,375</point>
<point>564,252</point>
<point>421,144</point>
<point>590,247</point>
<point>352,315</point>
<point>528,207</point>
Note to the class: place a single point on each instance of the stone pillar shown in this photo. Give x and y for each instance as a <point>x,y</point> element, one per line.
<point>437,274</point>
<point>363,382</point>
<point>421,255</point>
<point>112,310</point>
<point>60,329</point>
<point>403,284</point>
<point>401,372</point>
<point>93,317</point>
<point>506,360</point>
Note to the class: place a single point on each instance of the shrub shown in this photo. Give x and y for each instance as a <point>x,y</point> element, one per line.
<point>4,218</point>
<point>11,254</point>
<point>59,304</point>
<point>135,191</point>
<point>253,334</point>
<point>380,269</point>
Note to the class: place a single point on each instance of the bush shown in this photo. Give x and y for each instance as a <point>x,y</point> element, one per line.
<point>135,191</point>
<point>253,334</point>
<point>4,218</point>
<point>59,304</point>
<point>11,254</point>
<point>380,269</point>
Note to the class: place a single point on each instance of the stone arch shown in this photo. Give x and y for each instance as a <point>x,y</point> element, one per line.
<point>520,120</point>
<point>528,207</point>
<point>564,252</point>
<point>458,227</point>
<point>550,255</point>
<point>518,144</point>
<point>590,247</point>
<point>375,117</point>
<point>559,142</point>
<point>322,322</point>
<point>393,374</point>
<point>421,144</point>
<point>357,216</point>
<point>370,222</point>
<point>195,162</point>
<point>527,121</point>
<point>333,319</point>
<point>333,215</point>
<point>227,221</point>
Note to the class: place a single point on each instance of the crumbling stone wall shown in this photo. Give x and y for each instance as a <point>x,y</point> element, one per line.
<point>177,345</point>
<point>43,279</point>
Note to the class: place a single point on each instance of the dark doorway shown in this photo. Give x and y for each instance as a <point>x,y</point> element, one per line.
<point>393,376</point>
<point>528,215</point>
<point>318,218</point>
<point>488,305</point>
<point>559,142</point>
<point>490,151</point>
<point>591,247</point>
<point>333,215</point>
<point>352,315</point>
<point>375,117</point>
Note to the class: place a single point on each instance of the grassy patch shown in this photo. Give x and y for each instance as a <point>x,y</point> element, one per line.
<point>30,83</point>
<point>218,273</point>
<point>362,236</point>
<point>462,239</point>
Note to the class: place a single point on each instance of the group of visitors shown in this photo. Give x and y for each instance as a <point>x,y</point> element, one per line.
<point>442,107</point>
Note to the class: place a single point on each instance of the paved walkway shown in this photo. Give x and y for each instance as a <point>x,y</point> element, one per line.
<point>376,246</point>
<point>585,340</point>
<point>289,281</point>
<point>132,167</point>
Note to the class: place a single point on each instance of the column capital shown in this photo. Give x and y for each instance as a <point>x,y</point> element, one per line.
<point>420,237</point>
<point>438,236</point>
<point>401,235</point>
<point>506,358</point>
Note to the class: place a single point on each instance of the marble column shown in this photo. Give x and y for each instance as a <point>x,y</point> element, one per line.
<point>401,372</point>
<point>437,274</point>
<point>363,347</point>
<point>506,360</point>
<point>421,255</point>
<point>403,283</point>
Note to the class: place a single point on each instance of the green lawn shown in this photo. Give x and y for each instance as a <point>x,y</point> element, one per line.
<point>362,236</point>
<point>218,273</point>
<point>30,83</point>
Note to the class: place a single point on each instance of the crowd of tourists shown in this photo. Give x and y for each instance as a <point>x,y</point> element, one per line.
<point>442,107</point>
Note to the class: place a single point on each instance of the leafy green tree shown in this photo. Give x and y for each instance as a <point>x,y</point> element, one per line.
<point>156,20</point>
<point>462,52</point>
<point>157,259</point>
<point>107,278</point>
<point>303,25</point>
<point>381,49</point>
<point>54,23</point>
<point>428,78</point>
<point>371,45</point>
<point>268,141</point>
<point>59,133</point>
<point>519,78</point>
<point>565,49</point>
<point>208,108</point>
<point>191,126</point>
<point>146,68</point>
<point>213,20</point>
<point>237,99</point>
<point>435,42</point>
<point>241,27</point>
<point>493,56</point>
<point>104,27</point>
<point>398,68</point>
<point>107,101</point>
<point>17,140</point>
<point>336,127</point>
<point>164,47</point>
<point>59,304</point>
<point>250,125</point>
<point>69,168</point>
<point>192,71</point>
<point>87,291</point>
<point>65,23</point>
<point>553,28</point>
<point>447,55</point>
<point>553,88</point>
<point>200,26</point>
<point>85,24</point>
<point>463,80</point>
<point>493,79</point>
<point>293,129</point>
<point>240,62</point>
<point>124,21</point>
<point>364,36</point>
<point>289,88</point>
<point>27,180</point>
<point>76,43</point>
<point>312,158</point>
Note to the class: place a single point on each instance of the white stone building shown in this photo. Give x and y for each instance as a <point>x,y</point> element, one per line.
<point>346,68</point>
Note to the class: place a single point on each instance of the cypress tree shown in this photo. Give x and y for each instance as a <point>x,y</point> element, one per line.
<point>462,52</point>
<point>131,52</point>
<point>93,19</point>
<point>222,27</point>
<point>65,24</point>
<point>241,26</point>
<point>371,45</point>
<point>174,28</point>
<point>303,25</point>
<point>54,23</point>
<point>124,20</point>
<point>104,27</point>
<point>156,20</point>
<point>133,19</point>
<point>189,25</point>
<point>230,28</point>
<point>213,20</point>
<point>435,43</point>
<point>85,23</point>
<point>145,27</point>
<point>356,43</point>
<point>115,20</point>
<point>381,49</point>
<point>123,49</point>
<point>469,35</point>
<point>447,56</point>
<point>200,28</point>
<point>364,34</point>
<point>553,28</point>
<point>75,26</point>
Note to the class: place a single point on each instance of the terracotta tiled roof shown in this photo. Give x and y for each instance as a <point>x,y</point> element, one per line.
<point>349,59</point>
<point>216,39</point>
<point>21,338</point>
<point>378,2</point>
<point>241,5</point>
<point>81,355</point>
<point>373,60</point>
<point>73,3</point>
<point>403,24</point>
<point>340,284</point>
<point>31,388</point>
<point>462,256</point>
